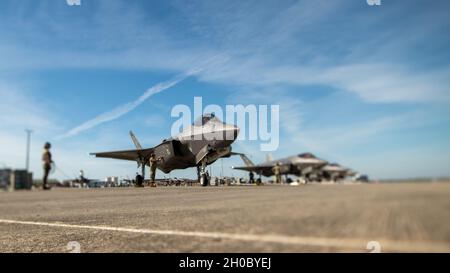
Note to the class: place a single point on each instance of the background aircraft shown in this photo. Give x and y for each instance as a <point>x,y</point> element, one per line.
<point>335,172</point>
<point>300,165</point>
<point>82,181</point>
<point>199,145</point>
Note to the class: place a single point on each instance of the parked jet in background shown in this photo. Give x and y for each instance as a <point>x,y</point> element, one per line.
<point>82,181</point>
<point>200,145</point>
<point>335,172</point>
<point>300,165</point>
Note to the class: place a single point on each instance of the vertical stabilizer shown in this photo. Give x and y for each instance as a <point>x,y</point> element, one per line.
<point>246,160</point>
<point>135,141</point>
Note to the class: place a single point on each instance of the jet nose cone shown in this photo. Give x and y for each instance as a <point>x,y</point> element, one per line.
<point>231,132</point>
<point>237,130</point>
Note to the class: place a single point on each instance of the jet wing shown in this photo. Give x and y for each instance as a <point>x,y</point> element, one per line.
<point>254,168</point>
<point>266,170</point>
<point>131,155</point>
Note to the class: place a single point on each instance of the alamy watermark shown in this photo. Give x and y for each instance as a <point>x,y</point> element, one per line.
<point>252,120</point>
<point>374,247</point>
<point>374,2</point>
<point>73,2</point>
<point>74,247</point>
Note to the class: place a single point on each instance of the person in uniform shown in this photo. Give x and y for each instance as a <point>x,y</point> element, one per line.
<point>83,180</point>
<point>47,164</point>
<point>153,166</point>
<point>252,178</point>
<point>277,172</point>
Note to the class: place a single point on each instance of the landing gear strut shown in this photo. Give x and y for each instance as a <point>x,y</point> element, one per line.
<point>202,175</point>
<point>143,170</point>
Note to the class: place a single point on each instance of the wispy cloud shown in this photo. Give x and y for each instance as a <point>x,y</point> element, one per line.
<point>130,106</point>
<point>297,43</point>
<point>377,83</point>
<point>373,56</point>
<point>22,110</point>
<point>123,109</point>
<point>19,109</point>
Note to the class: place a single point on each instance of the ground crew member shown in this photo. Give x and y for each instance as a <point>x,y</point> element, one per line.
<point>47,165</point>
<point>277,172</point>
<point>252,178</point>
<point>81,175</point>
<point>83,180</point>
<point>153,166</point>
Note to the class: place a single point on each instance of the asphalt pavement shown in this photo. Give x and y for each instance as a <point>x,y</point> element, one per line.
<point>403,217</point>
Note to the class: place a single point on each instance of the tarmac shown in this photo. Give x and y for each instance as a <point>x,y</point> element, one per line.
<point>403,217</point>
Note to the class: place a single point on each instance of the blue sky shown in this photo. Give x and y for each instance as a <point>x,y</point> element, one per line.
<point>365,86</point>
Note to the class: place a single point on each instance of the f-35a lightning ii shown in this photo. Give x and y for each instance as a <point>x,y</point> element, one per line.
<point>335,172</point>
<point>199,145</point>
<point>300,165</point>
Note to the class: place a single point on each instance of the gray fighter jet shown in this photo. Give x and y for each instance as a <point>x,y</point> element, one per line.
<point>199,145</point>
<point>335,172</point>
<point>300,165</point>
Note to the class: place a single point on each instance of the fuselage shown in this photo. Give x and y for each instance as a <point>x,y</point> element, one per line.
<point>209,138</point>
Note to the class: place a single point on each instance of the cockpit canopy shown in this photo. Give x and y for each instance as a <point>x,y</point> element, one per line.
<point>306,155</point>
<point>207,118</point>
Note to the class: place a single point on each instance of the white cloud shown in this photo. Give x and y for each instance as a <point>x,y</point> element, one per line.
<point>20,109</point>
<point>334,140</point>
<point>268,44</point>
<point>264,46</point>
<point>122,109</point>
<point>389,83</point>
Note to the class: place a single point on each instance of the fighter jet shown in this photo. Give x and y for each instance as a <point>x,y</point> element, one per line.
<point>300,165</point>
<point>82,181</point>
<point>199,145</point>
<point>335,172</point>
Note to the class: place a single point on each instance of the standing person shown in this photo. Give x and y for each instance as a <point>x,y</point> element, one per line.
<point>47,164</point>
<point>216,181</point>
<point>208,178</point>
<point>83,180</point>
<point>277,172</point>
<point>252,178</point>
<point>153,166</point>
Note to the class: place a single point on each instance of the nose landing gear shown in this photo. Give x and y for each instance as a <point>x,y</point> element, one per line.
<point>203,176</point>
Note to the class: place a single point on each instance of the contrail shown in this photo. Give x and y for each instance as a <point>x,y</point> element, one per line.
<point>128,107</point>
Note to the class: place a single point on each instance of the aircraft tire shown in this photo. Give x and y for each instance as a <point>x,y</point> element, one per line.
<point>204,180</point>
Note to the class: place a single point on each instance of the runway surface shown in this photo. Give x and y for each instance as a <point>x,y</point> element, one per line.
<point>402,217</point>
